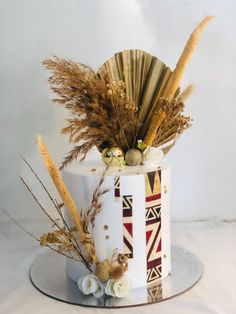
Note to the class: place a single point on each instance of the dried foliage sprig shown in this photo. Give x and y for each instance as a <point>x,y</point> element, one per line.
<point>173,124</point>
<point>66,197</point>
<point>175,78</point>
<point>62,238</point>
<point>89,215</point>
<point>99,110</point>
<point>39,240</point>
<point>181,65</point>
<point>67,242</point>
<point>65,227</point>
<point>124,101</point>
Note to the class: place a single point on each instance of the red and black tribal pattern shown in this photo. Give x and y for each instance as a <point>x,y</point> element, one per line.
<point>153,225</point>
<point>127,205</point>
<point>117,187</point>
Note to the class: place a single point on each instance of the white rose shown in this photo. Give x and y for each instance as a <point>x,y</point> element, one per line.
<point>90,285</point>
<point>118,288</point>
<point>152,156</point>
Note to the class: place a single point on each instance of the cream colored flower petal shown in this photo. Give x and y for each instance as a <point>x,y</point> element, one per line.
<point>152,156</point>
<point>88,284</point>
<point>79,283</point>
<point>109,288</point>
<point>99,292</point>
<point>120,288</point>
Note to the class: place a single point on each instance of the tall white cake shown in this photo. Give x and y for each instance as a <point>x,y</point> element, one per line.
<point>134,220</point>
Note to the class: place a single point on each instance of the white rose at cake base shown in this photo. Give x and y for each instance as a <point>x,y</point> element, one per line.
<point>134,219</point>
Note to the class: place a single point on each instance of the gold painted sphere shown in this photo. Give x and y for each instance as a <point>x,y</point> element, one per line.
<point>133,157</point>
<point>113,156</point>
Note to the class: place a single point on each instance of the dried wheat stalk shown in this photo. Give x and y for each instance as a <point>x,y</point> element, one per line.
<point>65,227</point>
<point>62,238</point>
<point>66,197</point>
<point>175,78</point>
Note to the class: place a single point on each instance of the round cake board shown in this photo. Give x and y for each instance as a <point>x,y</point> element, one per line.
<point>49,277</point>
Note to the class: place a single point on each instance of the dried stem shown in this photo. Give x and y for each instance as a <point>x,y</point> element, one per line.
<point>39,204</point>
<point>78,251</point>
<point>40,181</point>
<point>96,206</point>
<point>175,78</point>
<point>35,238</point>
<point>66,197</point>
<point>57,207</point>
<point>181,65</point>
<point>19,225</point>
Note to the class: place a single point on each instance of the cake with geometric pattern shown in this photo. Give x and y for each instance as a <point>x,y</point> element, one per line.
<point>114,229</point>
<point>135,218</point>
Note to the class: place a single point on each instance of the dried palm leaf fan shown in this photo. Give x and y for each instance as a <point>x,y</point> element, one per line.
<point>145,78</point>
<point>133,101</point>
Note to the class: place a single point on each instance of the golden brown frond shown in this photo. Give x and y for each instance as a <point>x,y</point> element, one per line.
<point>99,111</point>
<point>174,123</point>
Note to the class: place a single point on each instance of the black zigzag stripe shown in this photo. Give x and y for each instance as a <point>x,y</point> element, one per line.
<point>127,201</point>
<point>117,182</point>
<point>129,247</point>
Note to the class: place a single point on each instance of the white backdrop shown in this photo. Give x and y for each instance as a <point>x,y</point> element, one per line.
<point>203,160</point>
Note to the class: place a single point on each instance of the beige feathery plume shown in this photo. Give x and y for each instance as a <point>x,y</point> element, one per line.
<point>65,195</point>
<point>176,76</point>
<point>178,72</point>
<point>185,93</point>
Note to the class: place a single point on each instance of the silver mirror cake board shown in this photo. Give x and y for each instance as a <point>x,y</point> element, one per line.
<point>48,275</point>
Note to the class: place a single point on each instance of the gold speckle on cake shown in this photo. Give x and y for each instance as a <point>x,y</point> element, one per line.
<point>164,256</point>
<point>107,237</point>
<point>93,170</point>
<point>105,227</point>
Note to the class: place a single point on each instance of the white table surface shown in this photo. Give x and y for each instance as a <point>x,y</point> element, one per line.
<point>213,242</point>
